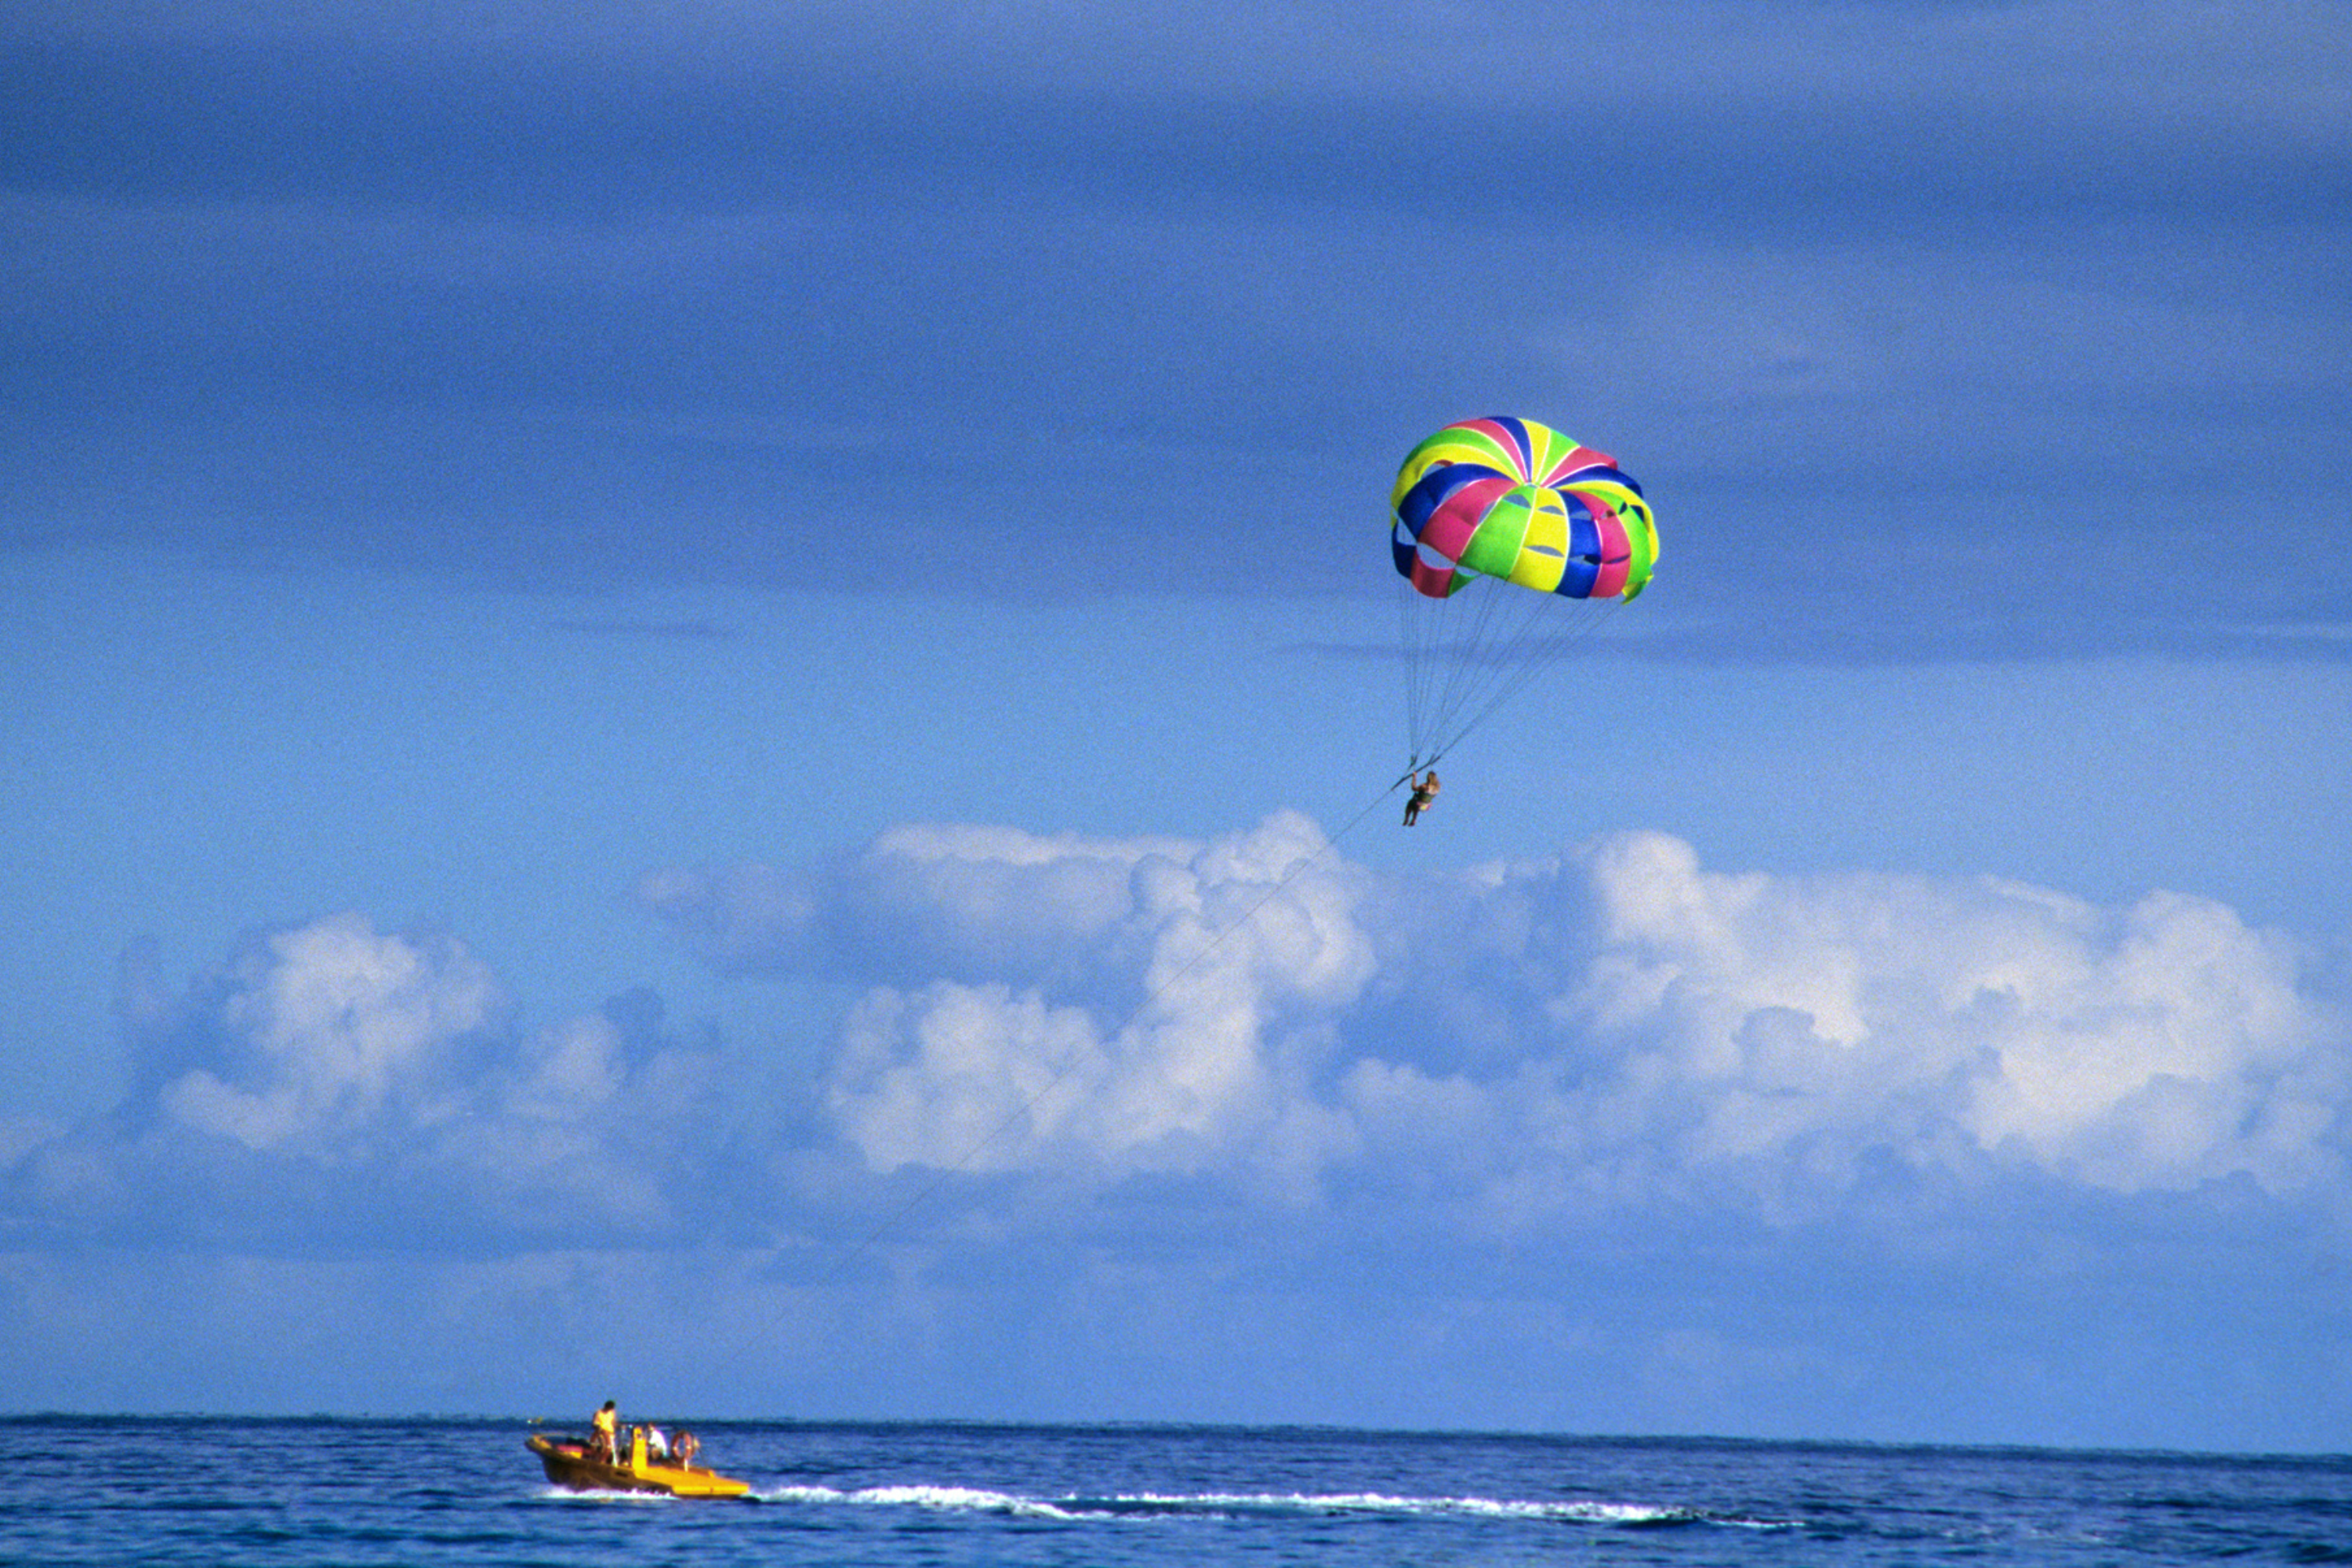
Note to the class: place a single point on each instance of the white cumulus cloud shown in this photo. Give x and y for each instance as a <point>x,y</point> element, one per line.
<point>341,1027</point>
<point>1227,962</point>
<point>1617,1024</point>
<point>1953,1023</point>
<point>1613,1030</point>
<point>333,1079</point>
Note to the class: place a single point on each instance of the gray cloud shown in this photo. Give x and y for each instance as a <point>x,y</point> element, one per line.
<point>1968,326</point>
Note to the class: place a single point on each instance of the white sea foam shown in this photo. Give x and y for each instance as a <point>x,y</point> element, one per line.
<point>1380,1503</point>
<point>963,1498</point>
<point>602,1494</point>
<point>967,1499</point>
<point>984,1500</point>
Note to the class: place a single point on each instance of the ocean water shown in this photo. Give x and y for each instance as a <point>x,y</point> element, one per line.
<point>327,1491</point>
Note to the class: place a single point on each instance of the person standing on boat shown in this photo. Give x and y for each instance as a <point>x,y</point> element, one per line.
<point>607,1439</point>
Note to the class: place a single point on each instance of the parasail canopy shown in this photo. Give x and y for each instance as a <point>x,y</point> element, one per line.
<point>1530,519</point>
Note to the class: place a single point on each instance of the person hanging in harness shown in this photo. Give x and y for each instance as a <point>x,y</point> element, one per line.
<point>1424,792</point>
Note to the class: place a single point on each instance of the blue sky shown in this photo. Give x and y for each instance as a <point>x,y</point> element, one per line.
<point>675,664</point>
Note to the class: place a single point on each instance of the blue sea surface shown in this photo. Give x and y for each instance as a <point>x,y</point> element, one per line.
<point>331,1491</point>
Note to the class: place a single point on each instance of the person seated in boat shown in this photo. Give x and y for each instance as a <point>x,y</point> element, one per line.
<point>605,1442</point>
<point>683,1448</point>
<point>657,1446</point>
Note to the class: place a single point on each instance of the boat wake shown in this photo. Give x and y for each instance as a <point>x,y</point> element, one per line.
<point>1239,1505</point>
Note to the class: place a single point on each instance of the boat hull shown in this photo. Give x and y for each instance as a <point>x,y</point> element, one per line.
<point>569,1464</point>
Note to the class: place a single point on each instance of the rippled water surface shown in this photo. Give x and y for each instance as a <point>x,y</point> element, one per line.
<point>333,1491</point>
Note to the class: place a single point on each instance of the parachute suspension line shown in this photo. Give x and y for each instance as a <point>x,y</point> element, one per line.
<point>1525,653</point>
<point>1021,1112</point>
<point>1474,662</point>
<point>1411,633</point>
<point>1468,655</point>
<point>1441,641</point>
<point>1435,635</point>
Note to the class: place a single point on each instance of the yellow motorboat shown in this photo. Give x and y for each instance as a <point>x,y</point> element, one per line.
<point>571,1463</point>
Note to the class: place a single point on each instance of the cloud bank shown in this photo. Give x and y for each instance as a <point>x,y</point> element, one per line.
<point>1515,1048</point>
<point>1609,1025</point>
<point>1244,1129</point>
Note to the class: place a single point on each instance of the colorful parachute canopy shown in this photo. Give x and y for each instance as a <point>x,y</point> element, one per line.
<point>1516,500</point>
<point>1513,501</point>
